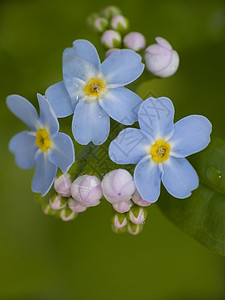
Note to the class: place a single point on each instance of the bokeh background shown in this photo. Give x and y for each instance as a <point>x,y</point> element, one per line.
<point>42,258</point>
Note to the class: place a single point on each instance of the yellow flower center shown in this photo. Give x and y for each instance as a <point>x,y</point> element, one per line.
<point>160,151</point>
<point>95,87</point>
<point>43,141</point>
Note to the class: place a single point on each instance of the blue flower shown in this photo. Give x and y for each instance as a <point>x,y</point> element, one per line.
<point>94,91</point>
<point>159,149</point>
<point>43,145</point>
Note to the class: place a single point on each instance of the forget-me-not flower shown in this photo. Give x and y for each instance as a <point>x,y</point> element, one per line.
<point>43,146</point>
<point>94,91</point>
<point>159,149</point>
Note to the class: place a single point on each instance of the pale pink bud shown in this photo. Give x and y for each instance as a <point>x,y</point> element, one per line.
<point>123,207</point>
<point>137,214</point>
<point>137,199</point>
<point>57,202</point>
<point>87,190</point>
<point>160,59</point>
<point>111,11</point>
<point>100,24</point>
<point>134,229</point>
<point>119,220</point>
<point>62,185</point>
<point>111,51</point>
<point>135,41</point>
<point>120,23</point>
<point>67,214</point>
<point>111,39</point>
<point>118,186</point>
<point>76,206</point>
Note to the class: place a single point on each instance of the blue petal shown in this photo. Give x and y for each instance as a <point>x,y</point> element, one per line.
<point>62,154</point>
<point>24,147</point>
<point>47,116</point>
<point>147,177</point>
<point>130,146</point>
<point>24,110</point>
<point>45,173</point>
<point>155,117</point>
<point>84,49</point>
<point>122,105</point>
<point>59,100</point>
<point>75,88</point>
<point>122,67</point>
<point>90,123</point>
<point>74,66</point>
<point>179,177</point>
<point>191,135</point>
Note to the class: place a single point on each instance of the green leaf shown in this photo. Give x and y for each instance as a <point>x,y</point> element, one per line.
<point>202,215</point>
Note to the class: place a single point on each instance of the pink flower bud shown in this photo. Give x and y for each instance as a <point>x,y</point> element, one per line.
<point>111,51</point>
<point>123,207</point>
<point>76,206</point>
<point>111,11</point>
<point>161,59</point>
<point>62,185</point>
<point>137,214</point>
<point>57,202</point>
<point>66,214</point>
<point>135,41</point>
<point>111,39</point>
<point>137,199</point>
<point>87,190</point>
<point>119,220</point>
<point>134,229</point>
<point>100,24</point>
<point>118,186</point>
<point>120,23</point>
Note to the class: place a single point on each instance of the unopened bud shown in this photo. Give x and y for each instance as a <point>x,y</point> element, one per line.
<point>62,185</point>
<point>134,229</point>
<point>100,24</point>
<point>119,220</point>
<point>111,11</point>
<point>111,51</point>
<point>111,39</point>
<point>160,59</point>
<point>119,230</point>
<point>87,190</point>
<point>67,214</point>
<point>137,199</point>
<point>91,18</point>
<point>47,210</point>
<point>76,206</point>
<point>137,214</point>
<point>135,41</point>
<point>123,207</point>
<point>120,23</point>
<point>118,186</point>
<point>57,202</point>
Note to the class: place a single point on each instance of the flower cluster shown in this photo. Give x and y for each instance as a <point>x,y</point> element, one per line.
<point>160,58</point>
<point>93,93</point>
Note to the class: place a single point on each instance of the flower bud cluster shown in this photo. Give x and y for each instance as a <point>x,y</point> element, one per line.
<point>160,58</point>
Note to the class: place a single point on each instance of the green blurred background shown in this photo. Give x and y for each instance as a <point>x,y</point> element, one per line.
<point>42,258</point>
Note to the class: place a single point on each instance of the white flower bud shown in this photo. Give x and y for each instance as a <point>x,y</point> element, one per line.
<point>87,190</point>
<point>76,206</point>
<point>111,39</point>
<point>160,59</point>
<point>119,23</point>
<point>100,24</point>
<point>62,185</point>
<point>137,199</point>
<point>119,220</point>
<point>137,214</point>
<point>57,202</point>
<point>135,41</point>
<point>118,186</point>
<point>134,229</point>
<point>123,207</point>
